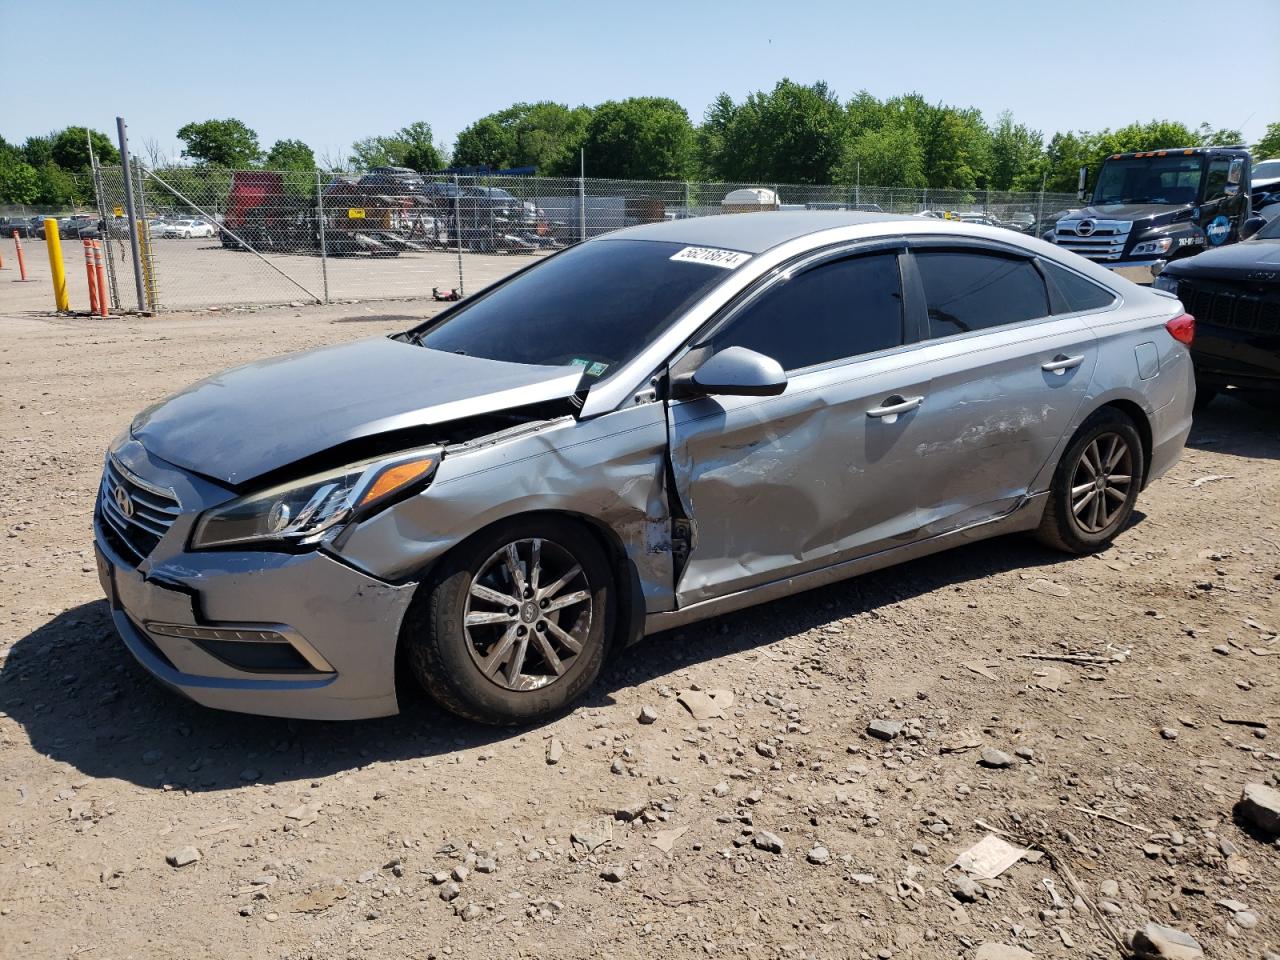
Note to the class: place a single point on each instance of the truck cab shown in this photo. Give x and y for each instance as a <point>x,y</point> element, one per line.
<point>1160,205</point>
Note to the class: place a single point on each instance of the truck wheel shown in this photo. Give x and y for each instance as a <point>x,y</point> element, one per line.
<point>516,623</point>
<point>1205,395</point>
<point>1095,484</point>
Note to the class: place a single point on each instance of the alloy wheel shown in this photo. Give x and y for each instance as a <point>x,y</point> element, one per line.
<point>1102,482</point>
<point>528,614</point>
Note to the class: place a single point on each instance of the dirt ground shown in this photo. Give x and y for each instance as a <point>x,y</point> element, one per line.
<point>781,829</point>
<point>196,273</point>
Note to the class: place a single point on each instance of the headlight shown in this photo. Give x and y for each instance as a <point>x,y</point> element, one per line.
<point>1166,283</point>
<point>314,509</point>
<point>1153,248</point>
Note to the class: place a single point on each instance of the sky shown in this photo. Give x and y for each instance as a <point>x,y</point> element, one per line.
<point>329,73</point>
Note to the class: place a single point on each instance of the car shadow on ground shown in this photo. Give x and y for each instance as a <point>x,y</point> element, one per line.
<point>1236,428</point>
<point>82,700</point>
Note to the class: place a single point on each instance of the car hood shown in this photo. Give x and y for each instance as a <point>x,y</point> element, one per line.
<point>254,419</point>
<point>1257,260</point>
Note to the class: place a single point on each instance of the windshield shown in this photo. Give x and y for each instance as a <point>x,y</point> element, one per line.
<point>1171,180</point>
<point>1267,170</point>
<point>595,305</point>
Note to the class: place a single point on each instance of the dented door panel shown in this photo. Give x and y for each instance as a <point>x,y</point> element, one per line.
<point>996,416</point>
<point>774,486</point>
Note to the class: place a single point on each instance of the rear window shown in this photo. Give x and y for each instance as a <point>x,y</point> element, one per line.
<point>595,305</point>
<point>968,291</point>
<point>1077,293</point>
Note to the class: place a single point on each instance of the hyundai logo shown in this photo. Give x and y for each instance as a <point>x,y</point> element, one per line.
<point>1084,228</point>
<point>124,502</point>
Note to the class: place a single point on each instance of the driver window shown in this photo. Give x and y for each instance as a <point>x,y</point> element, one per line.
<point>834,311</point>
<point>1215,187</point>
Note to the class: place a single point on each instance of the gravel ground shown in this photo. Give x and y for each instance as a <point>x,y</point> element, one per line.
<point>780,828</point>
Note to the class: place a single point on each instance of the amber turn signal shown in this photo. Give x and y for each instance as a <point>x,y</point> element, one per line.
<point>396,477</point>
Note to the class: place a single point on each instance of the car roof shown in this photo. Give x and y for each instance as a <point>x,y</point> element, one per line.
<point>751,232</point>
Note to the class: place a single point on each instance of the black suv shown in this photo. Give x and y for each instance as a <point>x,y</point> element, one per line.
<point>1234,294</point>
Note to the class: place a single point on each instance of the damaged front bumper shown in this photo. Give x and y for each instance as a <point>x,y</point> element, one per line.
<point>283,635</point>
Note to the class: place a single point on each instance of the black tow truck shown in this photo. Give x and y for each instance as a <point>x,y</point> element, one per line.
<point>1155,206</point>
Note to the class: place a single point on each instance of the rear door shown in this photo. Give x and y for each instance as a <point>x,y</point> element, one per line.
<point>1010,364</point>
<point>773,486</point>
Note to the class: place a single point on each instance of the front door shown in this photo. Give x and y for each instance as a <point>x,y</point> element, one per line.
<point>774,486</point>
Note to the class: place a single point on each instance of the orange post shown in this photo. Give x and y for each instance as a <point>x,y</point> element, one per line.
<point>101,270</point>
<point>22,264</point>
<point>93,277</point>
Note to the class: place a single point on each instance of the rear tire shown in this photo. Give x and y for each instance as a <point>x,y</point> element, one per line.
<point>1095,485</point>
<point>493,641</point>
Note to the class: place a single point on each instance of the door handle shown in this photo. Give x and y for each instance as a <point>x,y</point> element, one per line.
<point>1062,363</point>
<point>895,405</point>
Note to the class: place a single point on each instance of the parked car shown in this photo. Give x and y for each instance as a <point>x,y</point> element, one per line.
<point>186,229</point>
<point>8,225</point>
<point>1234,294</point>
<point>649,428</point>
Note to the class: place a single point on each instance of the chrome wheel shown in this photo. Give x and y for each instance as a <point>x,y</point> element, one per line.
<point>1102,482</point>
<point>528,614</point>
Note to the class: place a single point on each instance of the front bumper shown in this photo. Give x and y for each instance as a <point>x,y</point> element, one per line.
<point>343,625</point>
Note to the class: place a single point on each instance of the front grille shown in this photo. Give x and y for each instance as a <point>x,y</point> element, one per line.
<point>1105,241</point>
<point>134,532</point>
<point>1221,306</point>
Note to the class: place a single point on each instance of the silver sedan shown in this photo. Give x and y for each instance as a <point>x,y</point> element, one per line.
<point>647,429</point>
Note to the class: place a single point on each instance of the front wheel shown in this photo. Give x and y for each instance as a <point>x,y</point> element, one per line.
<point>516,623</point>
<point>1095,485</point>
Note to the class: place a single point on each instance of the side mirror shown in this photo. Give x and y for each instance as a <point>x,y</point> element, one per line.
<point>737,371</point>
<point>1252,226</point>
<point>1081,182</point>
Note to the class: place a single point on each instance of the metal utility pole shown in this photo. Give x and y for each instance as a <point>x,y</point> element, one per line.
<point>1040,210</point>
<point>582,194</point>
<point>129,209</point>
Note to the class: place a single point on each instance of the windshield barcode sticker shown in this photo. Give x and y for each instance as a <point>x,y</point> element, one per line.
<point>713,257</point>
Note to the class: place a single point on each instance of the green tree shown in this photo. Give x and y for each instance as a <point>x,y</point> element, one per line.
<point>1269,146</point>
<point>19,182</point>
<point>544,135</point>
<point>69,149</point>
<point>1015,151</point>
<point>38,151</point>
<point>410,146</point>
<point>290,155</point>
<point>1207,136</point>
<point>641,138</point>
<point>222,143</point>
<point>792,134</point>
<point>712,161</point>
<point>56,187</point>
<point>886,156</point>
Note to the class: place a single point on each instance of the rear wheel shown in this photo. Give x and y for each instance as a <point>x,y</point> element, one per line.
<point>516,624</point>
<point>1095,485</point>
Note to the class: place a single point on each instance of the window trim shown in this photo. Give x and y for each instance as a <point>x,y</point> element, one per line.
<point>695,345</point>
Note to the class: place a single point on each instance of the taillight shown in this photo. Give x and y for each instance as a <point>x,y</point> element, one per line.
<point>1182,328</point>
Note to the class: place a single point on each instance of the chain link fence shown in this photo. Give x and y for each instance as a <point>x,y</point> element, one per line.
<point>215,237</point>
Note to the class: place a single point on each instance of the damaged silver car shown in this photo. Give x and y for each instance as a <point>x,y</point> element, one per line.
<point>650,428</point>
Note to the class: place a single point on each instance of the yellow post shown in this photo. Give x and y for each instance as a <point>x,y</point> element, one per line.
<point>54,243</point>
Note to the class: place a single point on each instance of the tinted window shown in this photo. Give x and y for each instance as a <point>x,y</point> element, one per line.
<point>833,311</point>
<point>1215,185</point>
<point>594,305</point>
<point>973,291</point>
<point>1077,292</point>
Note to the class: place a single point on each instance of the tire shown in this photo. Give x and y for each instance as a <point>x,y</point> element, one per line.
<point>1072,523</point>
<point>472,669</point>
<point>1205,395</point>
